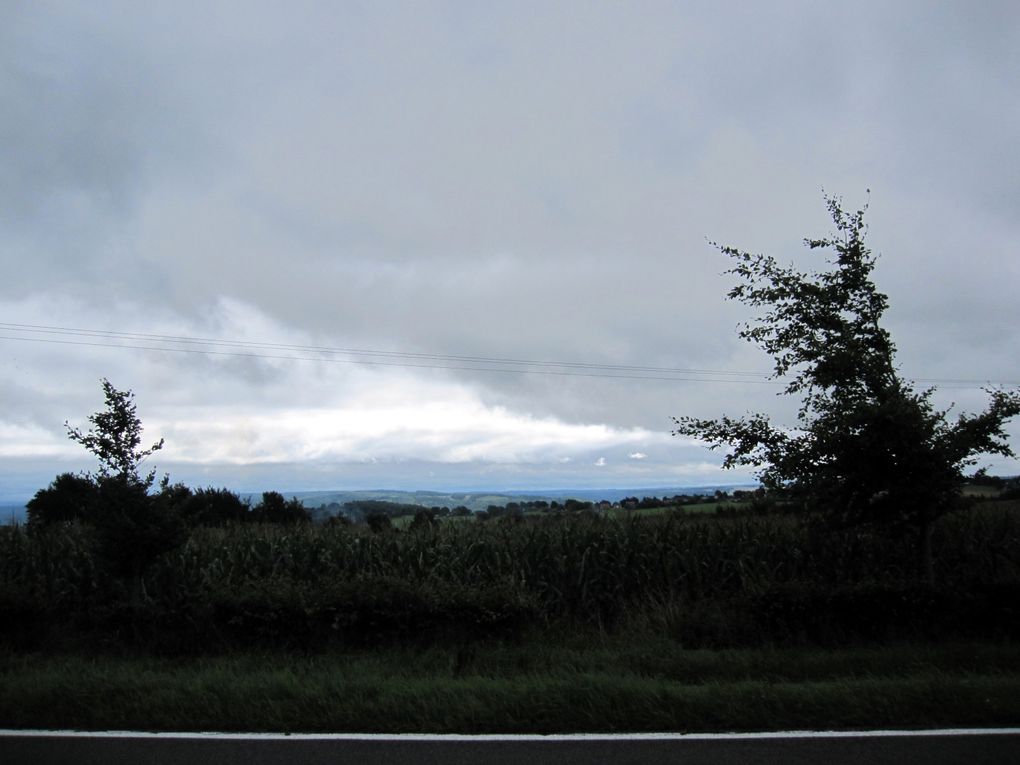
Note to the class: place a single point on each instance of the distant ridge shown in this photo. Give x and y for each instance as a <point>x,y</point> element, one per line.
<point>480,499</point>
<point>15,512</point>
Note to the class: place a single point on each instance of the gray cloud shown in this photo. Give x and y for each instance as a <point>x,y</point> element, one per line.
<point>530,181</point>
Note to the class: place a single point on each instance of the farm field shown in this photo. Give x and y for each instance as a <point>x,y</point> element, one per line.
<point>538,623</point>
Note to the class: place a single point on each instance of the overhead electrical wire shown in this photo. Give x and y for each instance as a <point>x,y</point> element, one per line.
<point>388,358</point>
<point>134,336</point>
<point>251,349</point>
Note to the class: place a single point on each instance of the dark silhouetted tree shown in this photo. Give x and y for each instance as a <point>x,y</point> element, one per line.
<point>133,527</point>
<point>69,498</point>
<point>115,438</point>
<point>213,507</point>
<point>275,509</point>
<point>868,447</point>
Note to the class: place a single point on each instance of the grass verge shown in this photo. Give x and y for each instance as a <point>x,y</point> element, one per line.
<point>604,685</point>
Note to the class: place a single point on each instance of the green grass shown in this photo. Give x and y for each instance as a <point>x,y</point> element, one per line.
<point>617,684</point>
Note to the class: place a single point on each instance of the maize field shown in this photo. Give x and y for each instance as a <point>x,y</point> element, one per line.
<point>704,580</point>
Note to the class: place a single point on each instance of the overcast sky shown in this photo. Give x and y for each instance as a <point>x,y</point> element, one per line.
<point>429,180</point>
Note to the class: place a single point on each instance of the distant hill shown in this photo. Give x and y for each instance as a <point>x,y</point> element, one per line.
<point>471,500</point>
<point>15,512</point>
<point>481,500</point>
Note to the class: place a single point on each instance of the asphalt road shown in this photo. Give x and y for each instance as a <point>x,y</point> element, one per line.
<point>930,748</point>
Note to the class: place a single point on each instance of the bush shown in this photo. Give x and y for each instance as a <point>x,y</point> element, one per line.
<point>213,507</point>
<point>68,498</point>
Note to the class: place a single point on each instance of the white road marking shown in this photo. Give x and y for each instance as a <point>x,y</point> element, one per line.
<point>517,737</point>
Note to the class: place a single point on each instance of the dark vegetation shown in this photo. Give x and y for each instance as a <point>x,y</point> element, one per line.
<point>868,449</point>
<point>781,578</point>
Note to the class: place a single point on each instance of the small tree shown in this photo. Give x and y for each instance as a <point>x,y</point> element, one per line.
<point>115,437</point>
<point>133,527</point>
<point>868,447</point>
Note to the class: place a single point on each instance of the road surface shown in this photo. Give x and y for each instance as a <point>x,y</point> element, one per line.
<point>949,747</point>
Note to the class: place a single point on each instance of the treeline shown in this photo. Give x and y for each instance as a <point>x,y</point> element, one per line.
<point>360,510</point>
<point>71,497</point>
<point>682,500</point>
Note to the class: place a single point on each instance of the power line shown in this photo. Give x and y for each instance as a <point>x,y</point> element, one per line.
<point>372,357</point>
<point>208,347</point>
<point>382,363</point>
<point>133,336</point>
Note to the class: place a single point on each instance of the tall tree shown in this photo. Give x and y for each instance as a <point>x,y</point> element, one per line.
<point>867,447</point>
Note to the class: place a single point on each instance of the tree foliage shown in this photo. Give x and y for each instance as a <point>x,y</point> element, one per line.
<point>868,446</point>
<point>115,438</point>
<point>275,509</point>
<point>213,507</point>
<point>68,498</point>
<point>133,527</point>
